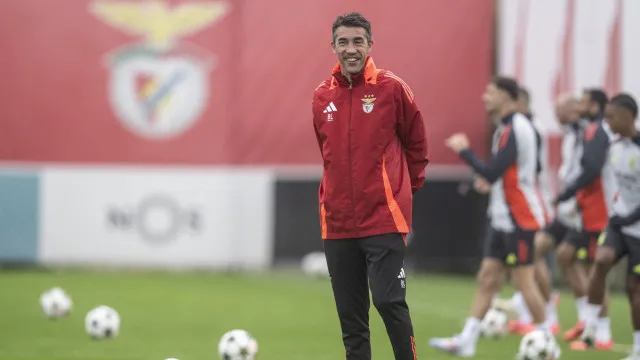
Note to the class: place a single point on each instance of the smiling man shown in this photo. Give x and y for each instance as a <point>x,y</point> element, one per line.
<point>374,150</point>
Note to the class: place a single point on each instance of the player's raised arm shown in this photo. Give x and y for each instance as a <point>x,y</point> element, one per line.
<point>505,157</point>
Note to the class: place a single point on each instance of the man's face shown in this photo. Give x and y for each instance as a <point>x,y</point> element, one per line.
<point>352,48</point>
<point>567,112</point>
<point>523,105</point>
<point>493,98</point>
<point>587,108</point>
<point>619,119</point>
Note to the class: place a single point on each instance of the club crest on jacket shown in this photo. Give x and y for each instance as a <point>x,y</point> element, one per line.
<point>367,103</point>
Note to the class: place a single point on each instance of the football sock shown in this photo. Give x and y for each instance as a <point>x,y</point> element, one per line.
<point>552,313</point>
<point>471,331</point>
<point>581,306</point>
<point>604,329</point>
<point>592,312</point>
<point>543,327</point>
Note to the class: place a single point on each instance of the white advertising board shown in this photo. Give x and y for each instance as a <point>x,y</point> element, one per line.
<point>169,218</point>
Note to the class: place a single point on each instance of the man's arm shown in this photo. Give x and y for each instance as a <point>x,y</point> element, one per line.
<point>412,134</point>
<point>627,220</point>
<point>593,159</point>
<point>507,155</point>
<point>319,139</point>
<point>315,128</point>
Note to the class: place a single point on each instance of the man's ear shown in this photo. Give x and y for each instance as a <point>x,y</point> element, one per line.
<point>333,46</point>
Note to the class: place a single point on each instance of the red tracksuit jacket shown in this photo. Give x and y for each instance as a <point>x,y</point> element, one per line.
<point>374,149</point>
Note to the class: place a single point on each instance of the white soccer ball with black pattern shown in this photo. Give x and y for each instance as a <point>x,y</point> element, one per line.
<point>55,303</point>
<point>237,345</point>
<point>315,264</point>
<point>495,324</point>
<point>538,345</point>
<point>102,322</point>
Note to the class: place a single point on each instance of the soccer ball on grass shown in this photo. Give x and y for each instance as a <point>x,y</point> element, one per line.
<point>538,345</point>
<point>55,303</point>
<point>102,322</point>
<point>314,264</point>
<point>494,324</point>
<point>237,345</point>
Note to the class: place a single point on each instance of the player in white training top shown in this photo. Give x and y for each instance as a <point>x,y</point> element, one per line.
<point>622,236</point>
<point>515,212</point>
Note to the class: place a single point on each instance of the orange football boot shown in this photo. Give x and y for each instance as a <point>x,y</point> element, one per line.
<point>514,326</point>
<point>575,332</point>
<point>580,345</point>
<point>526,328</point>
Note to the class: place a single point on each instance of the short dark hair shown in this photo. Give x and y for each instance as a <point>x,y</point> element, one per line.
<point>352,19</point>
<point>598,96</point>
<point>524,93</point>
<point>508,85</point>
<point>626,101</point>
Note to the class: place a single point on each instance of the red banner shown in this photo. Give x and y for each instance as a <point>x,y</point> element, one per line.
<point>219,82</point>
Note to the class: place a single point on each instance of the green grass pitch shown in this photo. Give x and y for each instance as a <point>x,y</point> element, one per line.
<point>184,314</point>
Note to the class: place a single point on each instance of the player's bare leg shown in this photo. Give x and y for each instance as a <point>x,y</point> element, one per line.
<point>489,282</point>
<point>551,299</point>
<point>543,246</point>
<point>525,281</point>
<point>576,276</point>
<point>574,273</point>
<point>603,340</point>
<point>633,293</point>
<point>604,261</point>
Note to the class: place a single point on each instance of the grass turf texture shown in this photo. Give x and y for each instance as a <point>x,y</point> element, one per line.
<point>183,315</point>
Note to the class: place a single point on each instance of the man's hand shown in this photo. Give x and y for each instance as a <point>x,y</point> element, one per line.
<point>458,142</point>
<point>615,223</point>
<point>482,186</point>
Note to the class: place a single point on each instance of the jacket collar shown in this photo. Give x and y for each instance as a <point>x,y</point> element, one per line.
<point>368,74</point>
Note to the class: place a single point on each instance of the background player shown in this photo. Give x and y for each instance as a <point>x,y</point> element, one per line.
<point>567,224</point>
<point>523,323</point>
<point>622,237</point>
<point>515,211</point>
<point>593,189</point>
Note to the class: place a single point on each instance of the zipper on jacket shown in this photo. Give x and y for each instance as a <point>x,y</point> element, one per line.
<point>353,203</point>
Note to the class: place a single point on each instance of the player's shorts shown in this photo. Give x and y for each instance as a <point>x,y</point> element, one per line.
<point>585,243</point>
<point>624,245</point>
<point>559,231</point>
<point>513,248</point>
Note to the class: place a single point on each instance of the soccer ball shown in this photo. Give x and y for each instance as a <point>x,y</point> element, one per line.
<point>55,303</point>
<point>102,322</point>
<point>494,324</point>
<point>237,345</point>
<point>315,264</point>
<point>538,345</point>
